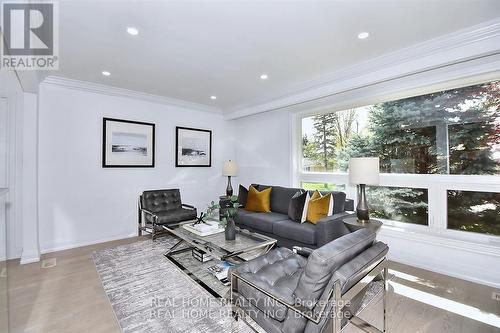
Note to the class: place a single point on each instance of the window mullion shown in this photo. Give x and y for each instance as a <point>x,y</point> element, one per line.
<point>437,206</point>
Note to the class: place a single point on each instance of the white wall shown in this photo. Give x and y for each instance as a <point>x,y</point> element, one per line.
<point>79,201</point>
<point>11,92</point>
<point>29,173</point>
<point>263,145</point>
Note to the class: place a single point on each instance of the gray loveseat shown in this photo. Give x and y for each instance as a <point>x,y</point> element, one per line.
<point>288,233</point>
<point>311,292</point>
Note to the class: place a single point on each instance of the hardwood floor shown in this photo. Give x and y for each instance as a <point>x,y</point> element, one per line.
<point>69,298</point>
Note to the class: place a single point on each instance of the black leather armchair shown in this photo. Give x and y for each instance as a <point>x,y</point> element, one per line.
<point>310,291</point>
<point>162,207</point>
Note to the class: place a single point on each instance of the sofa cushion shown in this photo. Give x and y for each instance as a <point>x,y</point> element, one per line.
<point>173,216</point>
<point>258,201</point>
<point>242,195</point>
<point>338,200</point>
<point>280,197</point>
<point>300,232</point>
<point>238,218</point>
<point>324,261</point>
<point>319,207</point>
<point>297,209</point>
<point>261,221</point>
<point>278,273</point>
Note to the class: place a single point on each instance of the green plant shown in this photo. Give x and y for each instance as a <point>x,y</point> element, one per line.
<point>228,213</point>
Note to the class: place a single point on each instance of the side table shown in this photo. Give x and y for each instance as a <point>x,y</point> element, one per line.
<point>353,224</point>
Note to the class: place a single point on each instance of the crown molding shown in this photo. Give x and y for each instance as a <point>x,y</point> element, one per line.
<point>467,44</point>
<point>121,92</point>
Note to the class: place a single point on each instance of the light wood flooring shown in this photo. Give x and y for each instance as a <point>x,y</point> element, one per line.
<point>69,298</point>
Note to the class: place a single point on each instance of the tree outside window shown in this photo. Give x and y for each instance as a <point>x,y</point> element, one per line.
<point>455,131</point>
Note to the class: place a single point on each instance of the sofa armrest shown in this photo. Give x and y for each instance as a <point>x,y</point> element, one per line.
<point>352,272</point>
<point>330,228</point>
<point>145,211</point>
<point>302,251</point>
<point>188,206</point>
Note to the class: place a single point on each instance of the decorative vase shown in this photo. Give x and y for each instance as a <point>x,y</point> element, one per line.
<point>230,230</point>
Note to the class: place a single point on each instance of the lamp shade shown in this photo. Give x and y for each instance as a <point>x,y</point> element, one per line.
<point>230,168</point>
<point>364,170</point>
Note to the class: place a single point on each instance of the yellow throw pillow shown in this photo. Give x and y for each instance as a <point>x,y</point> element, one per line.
<point>319,207</point>
<point>259,201</point>
<point>315,195</point>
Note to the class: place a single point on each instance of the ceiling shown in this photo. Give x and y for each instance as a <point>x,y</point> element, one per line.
<point>191,50</point>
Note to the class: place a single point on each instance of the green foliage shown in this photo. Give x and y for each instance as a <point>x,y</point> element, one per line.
<point>227,213</point>
<point>332,133</point>
<point>325,139</point>
<point>474,211</point>
<point>322,186</point>
<point>453,131</point>
<point>399,204</point>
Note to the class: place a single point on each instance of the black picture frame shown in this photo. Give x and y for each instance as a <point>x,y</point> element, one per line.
<point>178,164</point>
<point>105,164</point>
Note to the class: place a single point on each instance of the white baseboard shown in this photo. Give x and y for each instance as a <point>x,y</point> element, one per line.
<point>28,260</point>
<point>80,244</point>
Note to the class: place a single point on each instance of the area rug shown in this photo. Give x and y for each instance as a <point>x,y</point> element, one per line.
<point>148,293</point>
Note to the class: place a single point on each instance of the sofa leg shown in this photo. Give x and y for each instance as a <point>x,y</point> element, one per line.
<point>153,232</point>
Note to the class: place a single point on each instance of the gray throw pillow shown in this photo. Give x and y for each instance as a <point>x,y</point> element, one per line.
<point>296,206</point>
<point>242,195</point>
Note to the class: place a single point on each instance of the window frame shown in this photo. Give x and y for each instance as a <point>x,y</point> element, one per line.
<point>437,185</point>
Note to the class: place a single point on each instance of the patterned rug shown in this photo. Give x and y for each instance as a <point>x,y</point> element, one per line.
<point>149,293</point>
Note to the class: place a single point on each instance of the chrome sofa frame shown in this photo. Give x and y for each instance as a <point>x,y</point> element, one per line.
<point>152,227</point>
<point>335,296</point>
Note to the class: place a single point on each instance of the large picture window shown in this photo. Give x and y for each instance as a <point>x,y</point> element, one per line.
<point>446,134</point>
<point>449,132</point>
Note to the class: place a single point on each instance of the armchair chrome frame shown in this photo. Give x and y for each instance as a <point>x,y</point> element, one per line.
<point>334,297</point>
<point>152,227</point>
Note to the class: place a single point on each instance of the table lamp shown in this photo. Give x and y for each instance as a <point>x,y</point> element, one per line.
<point>363,171</point>
<point>229,169</point>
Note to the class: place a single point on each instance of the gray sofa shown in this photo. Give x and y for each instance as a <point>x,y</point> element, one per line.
<point>318,291</point>
<point>288,233</point>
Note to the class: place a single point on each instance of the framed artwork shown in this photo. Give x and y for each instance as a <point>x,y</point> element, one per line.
<point>193,147</point>
<point>128,144</point>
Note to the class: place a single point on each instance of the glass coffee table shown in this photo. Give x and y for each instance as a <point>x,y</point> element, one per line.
<point>246,246</point>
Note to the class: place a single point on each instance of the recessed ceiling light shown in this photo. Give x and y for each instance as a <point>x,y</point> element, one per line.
<point>133,31</point>
<point>264,76</point>
<point>106,73</point>
<point>213,97</point>
<point>363,35</point>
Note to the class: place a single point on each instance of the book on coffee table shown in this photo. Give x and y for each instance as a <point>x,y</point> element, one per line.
<point>220,271</point>
<point>204,229</point>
